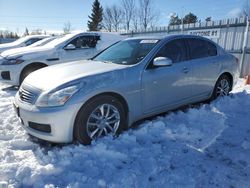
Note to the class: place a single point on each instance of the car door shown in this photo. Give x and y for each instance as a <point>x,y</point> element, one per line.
<point>167,86</point>
<point>84,49</point>
<point>206,66</point>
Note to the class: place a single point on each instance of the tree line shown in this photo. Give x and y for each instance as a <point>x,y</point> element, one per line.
<point>127,16</point>
<point>8,34</point>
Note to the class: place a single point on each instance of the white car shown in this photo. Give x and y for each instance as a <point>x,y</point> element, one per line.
<point>21,42</point>
<point>25,48</point>
<point>16,64</point>
<point>41,42</point>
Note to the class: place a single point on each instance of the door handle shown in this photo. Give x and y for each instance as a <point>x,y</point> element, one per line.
<point>185,70</point>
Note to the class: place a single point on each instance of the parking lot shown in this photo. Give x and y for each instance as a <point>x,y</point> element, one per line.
<point>203,146</point>
<point>125,94</point>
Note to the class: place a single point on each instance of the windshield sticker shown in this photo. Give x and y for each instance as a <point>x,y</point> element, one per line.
<point>149,41</point>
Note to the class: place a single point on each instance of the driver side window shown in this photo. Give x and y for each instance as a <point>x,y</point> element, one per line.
<point>85,42</point>
<point>174,50</point>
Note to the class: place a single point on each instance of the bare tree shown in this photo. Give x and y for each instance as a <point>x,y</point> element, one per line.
<point>112,18</point>
<point>147,15</point>
<point>67,27</point>
<point>135,20</point>
<point>128,7</point>
<point>36,31</point>
<point>107,19</point>
<point>117,17</point>
<point>245,9</point>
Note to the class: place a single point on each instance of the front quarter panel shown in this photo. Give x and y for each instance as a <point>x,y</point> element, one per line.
<point>124,82</point>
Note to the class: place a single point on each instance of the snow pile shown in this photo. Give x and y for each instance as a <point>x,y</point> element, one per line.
<point>205,146</point>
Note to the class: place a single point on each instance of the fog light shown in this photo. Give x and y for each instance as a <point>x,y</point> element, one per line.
<point>5,75</point>
<point>40,127</point>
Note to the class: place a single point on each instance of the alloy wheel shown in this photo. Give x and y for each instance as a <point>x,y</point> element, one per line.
<point>105,119</point>
<point>223,88</point>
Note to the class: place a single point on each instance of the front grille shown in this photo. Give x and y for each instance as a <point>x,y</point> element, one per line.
<point>27,96</point>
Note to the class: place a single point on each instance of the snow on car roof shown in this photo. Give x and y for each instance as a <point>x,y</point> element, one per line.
<point>108,37</point>
<point>23,39</point>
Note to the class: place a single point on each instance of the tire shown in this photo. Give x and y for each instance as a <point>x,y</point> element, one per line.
<point>222,87</point>
<point>91,123</point>
<point>27,71</point>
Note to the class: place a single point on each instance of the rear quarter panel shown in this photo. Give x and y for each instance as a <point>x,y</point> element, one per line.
<point>230,65</point>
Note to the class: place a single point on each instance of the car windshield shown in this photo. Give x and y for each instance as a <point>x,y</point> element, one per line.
<point>59,40</point>
<point>22,39</point>
<point>127,52</point>
<point>42,42</point>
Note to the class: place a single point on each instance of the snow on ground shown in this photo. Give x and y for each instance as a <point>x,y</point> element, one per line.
<point>206,146</point>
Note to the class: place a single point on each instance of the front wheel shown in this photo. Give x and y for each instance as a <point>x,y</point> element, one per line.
<point>222,87</point>
<point>99,117</point>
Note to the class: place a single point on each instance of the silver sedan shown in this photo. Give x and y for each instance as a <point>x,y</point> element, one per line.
<point>133,79</point>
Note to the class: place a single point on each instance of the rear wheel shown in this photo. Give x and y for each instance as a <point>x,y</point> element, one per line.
<point>99,117</point>
<point>222,87</point>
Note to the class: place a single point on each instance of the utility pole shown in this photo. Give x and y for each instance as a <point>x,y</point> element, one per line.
<point>182,17</point>
<point>244,48</point>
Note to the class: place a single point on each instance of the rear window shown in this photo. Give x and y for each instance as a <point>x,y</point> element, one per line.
<point>201,48</point>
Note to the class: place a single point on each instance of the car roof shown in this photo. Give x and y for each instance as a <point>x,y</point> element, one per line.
<point>170,36</point>
<point>36,36</point>
<point>74,33</point>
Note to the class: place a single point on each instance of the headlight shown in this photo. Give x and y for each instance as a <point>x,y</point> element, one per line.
<point>13,61</point>
<point>57,98</point>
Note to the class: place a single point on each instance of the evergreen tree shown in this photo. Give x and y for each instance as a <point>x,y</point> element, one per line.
<point>190,18</point>
<point>26,32</point>
<point>11,35</point>
<point>175,20</point>
<point>16,36</point>
<point>94,24</point>
<point>208,19</point>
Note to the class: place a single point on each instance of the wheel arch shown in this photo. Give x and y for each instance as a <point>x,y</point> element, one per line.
<point>113,94</point>
<point>229,75</point>
<point>34,64</point>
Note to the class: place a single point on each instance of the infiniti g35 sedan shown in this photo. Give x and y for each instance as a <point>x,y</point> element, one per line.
<point>133,79</point>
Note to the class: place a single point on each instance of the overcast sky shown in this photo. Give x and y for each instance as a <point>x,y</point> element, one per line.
<point>51,15</point>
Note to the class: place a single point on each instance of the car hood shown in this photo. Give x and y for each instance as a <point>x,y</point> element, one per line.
<point>8,45</point>
<point>51,77</point>
<point>23,51</point>
<point>4,47</point>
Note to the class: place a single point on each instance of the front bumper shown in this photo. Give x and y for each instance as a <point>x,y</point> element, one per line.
<point>60,119</point>
<point>13,72</point>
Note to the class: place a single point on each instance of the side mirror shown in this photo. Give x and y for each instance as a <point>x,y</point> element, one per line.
<point>70,47</point>
<point>162,62</point>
